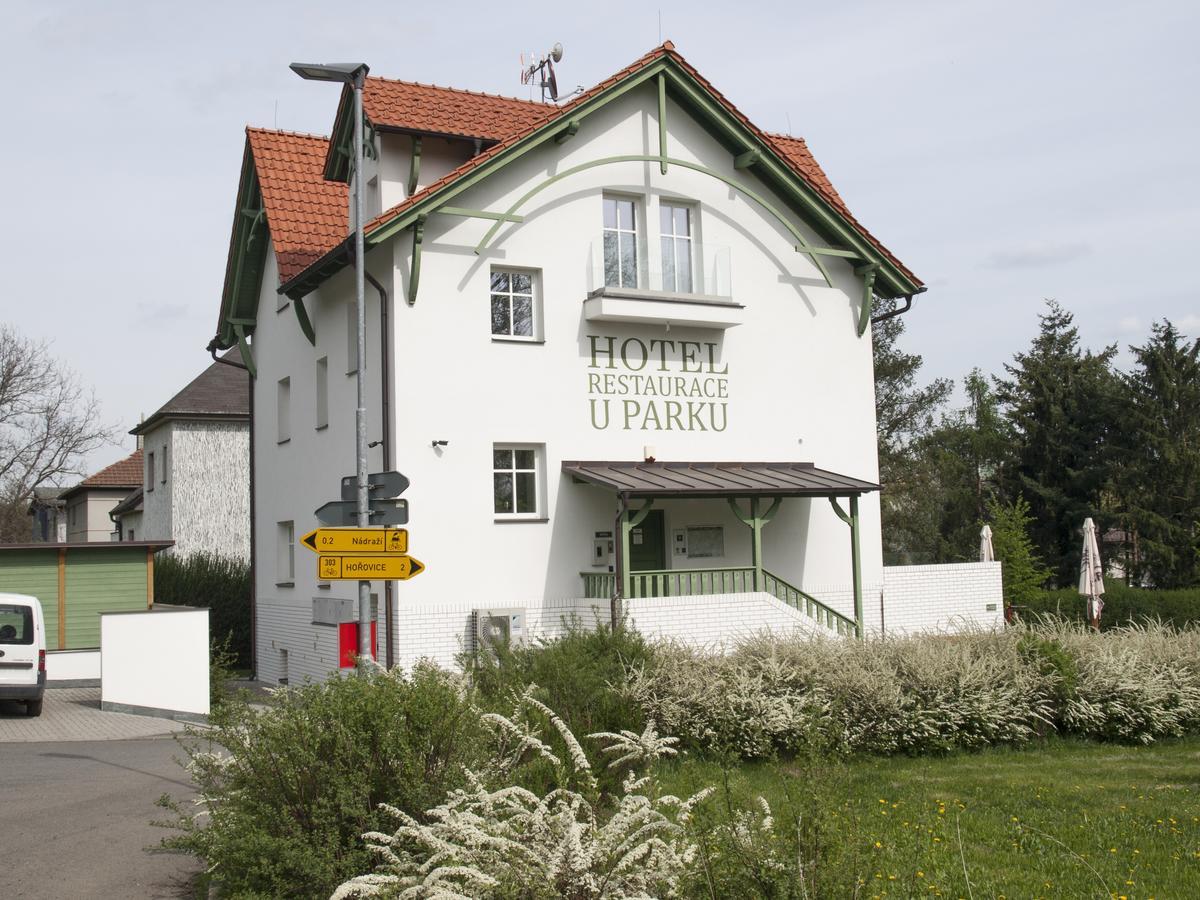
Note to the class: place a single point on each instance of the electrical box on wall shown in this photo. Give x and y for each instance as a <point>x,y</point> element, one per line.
<point>602,550</point>
<point>679,542</point>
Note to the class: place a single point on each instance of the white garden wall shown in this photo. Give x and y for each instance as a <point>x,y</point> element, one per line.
<point>72,668</point>
<point>155,662</point>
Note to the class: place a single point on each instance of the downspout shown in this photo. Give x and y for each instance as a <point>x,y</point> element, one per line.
<point>908,300</point>
<point>386,441</point>
<point>212,349</point>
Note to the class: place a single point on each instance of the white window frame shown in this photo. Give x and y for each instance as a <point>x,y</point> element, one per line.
<point>322,392</point>
<point>535,301</point>
<point>638,209</point>
<point>538,471</point>
<point>285,553</point>
<point>672,238</point>
<point>283,410</point>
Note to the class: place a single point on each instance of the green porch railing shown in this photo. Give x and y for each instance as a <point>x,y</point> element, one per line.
<point>736,580</point>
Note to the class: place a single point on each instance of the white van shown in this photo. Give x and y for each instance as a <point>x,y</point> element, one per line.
<point>22,651</point>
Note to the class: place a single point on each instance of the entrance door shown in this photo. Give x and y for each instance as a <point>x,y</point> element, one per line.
<point>648,543</point>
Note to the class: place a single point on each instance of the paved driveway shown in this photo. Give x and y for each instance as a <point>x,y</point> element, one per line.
<point>75,819</point>
<point>74,714</point>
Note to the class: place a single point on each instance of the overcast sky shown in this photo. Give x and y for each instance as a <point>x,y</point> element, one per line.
<point>1007,152</point>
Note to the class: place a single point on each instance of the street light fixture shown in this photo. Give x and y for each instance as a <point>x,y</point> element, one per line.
<point>355,75</point>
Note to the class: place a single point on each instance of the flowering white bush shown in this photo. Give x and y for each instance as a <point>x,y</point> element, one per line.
<point>926,693</point>
<point>511,842</point>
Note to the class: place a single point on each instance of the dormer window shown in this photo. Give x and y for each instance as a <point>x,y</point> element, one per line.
<point>620,242</point>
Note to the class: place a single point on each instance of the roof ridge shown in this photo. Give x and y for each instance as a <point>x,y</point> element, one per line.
<point>285,133</point>
<point>457,90</point>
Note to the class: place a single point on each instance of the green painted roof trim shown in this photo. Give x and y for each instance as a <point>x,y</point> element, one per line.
<point>777,173</point>
<point>247,259</point>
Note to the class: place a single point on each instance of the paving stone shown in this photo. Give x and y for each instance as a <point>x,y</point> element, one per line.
<point>74,714</point>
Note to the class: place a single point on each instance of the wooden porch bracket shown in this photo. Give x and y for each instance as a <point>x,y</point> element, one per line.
<point>855,556</point>
<point>755,522</point>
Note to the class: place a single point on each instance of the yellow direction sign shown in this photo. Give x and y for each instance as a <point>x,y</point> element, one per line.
<point>357,540</point>
<point>367,568</point>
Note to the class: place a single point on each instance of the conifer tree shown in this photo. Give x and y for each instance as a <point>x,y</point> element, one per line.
<point>1023,572</point>
<point>1060,402</point>
<point>1159,479</point>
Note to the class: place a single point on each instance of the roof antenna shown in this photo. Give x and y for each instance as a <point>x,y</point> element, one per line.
<point>541,71</point>
<point>789,121</point>
<point>660,26</point>
<point>276,115</point>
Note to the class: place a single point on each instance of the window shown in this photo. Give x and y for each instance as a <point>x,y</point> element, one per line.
<point>515,475</point>
<point>164,463</point>
<point>149,472</point>
<point>285,553</point>
<point>283,411</point>
<point>351,337</point>
<point>620,242</point>
<point>16,624</point>
<point>514,305</point>
<point>323,392</point>
<point>132,536</point>
<point>676,234</point>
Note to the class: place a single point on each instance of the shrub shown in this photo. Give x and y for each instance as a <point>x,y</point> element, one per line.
<point>924,694</point>
<point>576,673</point>
<point>218,582</point>
<point>1122,605</point>
<point>506,841</point>
<point>287,791</point>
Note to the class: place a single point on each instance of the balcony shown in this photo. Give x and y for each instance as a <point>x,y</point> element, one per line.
<point>686,286</point>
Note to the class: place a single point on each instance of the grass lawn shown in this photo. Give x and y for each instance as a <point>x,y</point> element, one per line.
<point>1069,819</point>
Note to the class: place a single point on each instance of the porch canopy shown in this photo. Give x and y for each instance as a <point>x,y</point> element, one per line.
<point>755,481</point>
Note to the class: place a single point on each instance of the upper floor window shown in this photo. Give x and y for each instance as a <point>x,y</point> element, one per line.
<point>283,410</point>
<point>620,242</point>
<point>514,305</point>
<point>164,463</point>
<point>322,386</point>
<point>149,471</point>
<point>285,552</point>
<point>676,234</point>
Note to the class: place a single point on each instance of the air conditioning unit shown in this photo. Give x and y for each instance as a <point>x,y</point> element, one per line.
<point>496,627</point>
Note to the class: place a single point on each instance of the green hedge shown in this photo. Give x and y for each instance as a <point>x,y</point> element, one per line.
<point>217,582</point>
<point>1123,604</point>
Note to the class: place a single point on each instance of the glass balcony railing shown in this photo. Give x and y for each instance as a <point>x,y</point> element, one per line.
<point>678,267</point>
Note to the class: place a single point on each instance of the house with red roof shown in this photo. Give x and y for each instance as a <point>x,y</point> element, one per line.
<point>89,503</point>
<point>620,346</point>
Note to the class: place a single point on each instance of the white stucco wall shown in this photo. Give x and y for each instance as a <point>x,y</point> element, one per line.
<point>157,522</point>
<point>155,662</point>
<point>799,383</point>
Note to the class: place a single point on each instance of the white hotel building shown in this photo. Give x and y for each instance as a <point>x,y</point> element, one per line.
<point>621,347</point>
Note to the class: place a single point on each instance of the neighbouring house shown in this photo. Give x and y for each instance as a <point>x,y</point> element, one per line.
<point>49,515</point>
<point>89,503</point>
<point>195,485</point>
<point>620,346</point>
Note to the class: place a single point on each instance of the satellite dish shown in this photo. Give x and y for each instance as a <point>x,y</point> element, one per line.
<point>556,52</point>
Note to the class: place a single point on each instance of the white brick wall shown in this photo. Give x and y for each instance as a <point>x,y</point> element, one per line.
<point>915,598</point>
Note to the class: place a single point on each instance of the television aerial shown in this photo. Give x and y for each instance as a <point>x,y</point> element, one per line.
<point>540,71</point>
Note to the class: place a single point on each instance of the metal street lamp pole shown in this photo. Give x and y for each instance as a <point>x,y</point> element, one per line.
<point>355,74</point>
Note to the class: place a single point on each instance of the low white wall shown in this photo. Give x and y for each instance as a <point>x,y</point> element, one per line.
<point>72,666</point>
<point>155,662</point>
<point>717,619</point>
<point>942,598</point>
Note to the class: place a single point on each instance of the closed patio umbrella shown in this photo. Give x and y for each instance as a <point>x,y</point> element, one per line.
<point>986,553</point>
<point>1091,574</point>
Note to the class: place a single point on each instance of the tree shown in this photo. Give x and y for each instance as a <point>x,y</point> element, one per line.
<point>904,413</point>
<point>1023,573</point>
<point>47,426</point>
<point>966,451</point>
<point>1060,402</point>
<point>1159,483</point>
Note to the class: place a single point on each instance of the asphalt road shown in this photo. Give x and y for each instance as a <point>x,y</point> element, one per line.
<point>75,820</point>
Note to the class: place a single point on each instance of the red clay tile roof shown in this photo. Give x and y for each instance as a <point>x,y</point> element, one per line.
<point>426,107</point>
<point>125,473</point>
<point>306,214</point>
